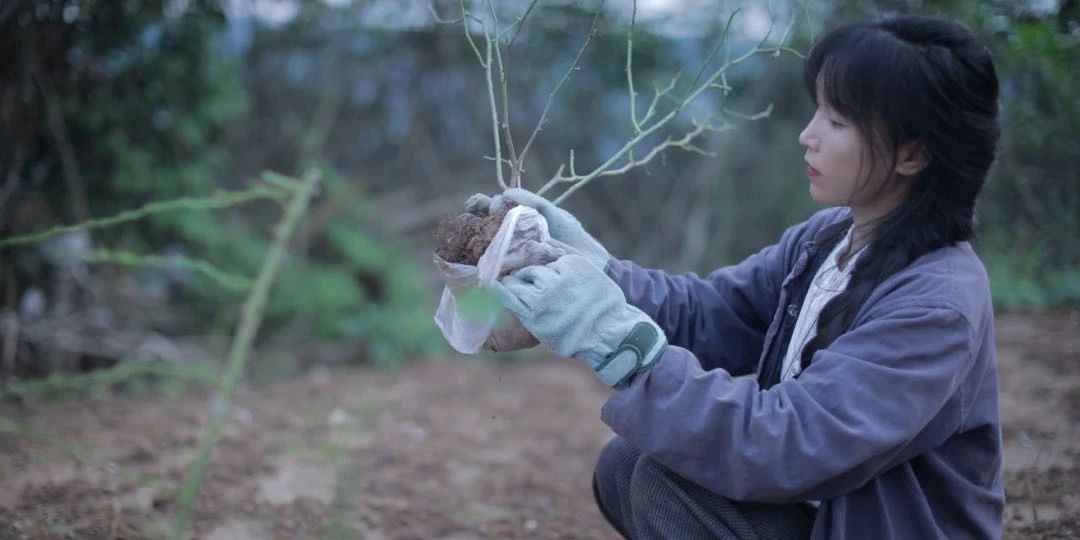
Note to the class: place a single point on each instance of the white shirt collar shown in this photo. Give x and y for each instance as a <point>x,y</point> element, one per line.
<point>841,247</point>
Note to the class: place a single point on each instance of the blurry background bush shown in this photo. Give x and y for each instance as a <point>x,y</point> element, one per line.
<point>108,105</point>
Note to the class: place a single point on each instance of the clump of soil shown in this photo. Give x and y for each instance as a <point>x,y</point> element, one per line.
<point>463,239</point>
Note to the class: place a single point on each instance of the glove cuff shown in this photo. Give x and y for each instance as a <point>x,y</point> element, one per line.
<point>642,346</point>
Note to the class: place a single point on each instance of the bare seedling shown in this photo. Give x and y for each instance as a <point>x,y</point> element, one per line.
<point>668,102</point>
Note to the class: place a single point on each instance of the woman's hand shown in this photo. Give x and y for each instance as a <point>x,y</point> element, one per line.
<point>562,225</point>
<point>577,310</point>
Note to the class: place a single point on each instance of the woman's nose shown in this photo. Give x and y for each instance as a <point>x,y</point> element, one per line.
<point>806,138</point>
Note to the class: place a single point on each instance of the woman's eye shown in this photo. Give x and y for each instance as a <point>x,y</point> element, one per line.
<point>836,124</point>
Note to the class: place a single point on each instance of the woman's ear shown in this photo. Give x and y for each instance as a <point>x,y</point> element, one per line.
<point>911,158</point>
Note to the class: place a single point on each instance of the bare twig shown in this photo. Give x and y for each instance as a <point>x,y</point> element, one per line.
<point>516,163</point>
<point>555,91</point>
<point>659,94</point>
<point>494,111</point>
<point>440,20</point>
<point>464,20</point>
<point>653,121</point>
<point>708,59</point>
<point>756,116</point>
<point>643,127</point>
<point>485,60</point>
<point>518,24</point>
<point>684,142</point>
<point>515,178</point>
<point>502,134</point>
<point>250,318</point>
<point>630,72</point>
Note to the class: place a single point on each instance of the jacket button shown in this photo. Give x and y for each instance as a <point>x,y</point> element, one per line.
<point>793,310</point>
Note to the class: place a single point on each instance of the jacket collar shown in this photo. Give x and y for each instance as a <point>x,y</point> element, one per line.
<point>833,231</point>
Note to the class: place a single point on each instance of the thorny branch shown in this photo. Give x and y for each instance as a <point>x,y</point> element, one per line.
<point>219,200</point>
<point>250,318</point>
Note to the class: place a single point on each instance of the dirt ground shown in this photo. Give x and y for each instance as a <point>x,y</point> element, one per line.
<point>448,448</point>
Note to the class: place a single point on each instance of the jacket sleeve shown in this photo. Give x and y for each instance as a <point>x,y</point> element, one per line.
<point>874,399</point>
<point>723,318</point>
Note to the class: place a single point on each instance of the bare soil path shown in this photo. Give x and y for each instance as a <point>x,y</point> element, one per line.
<point>448,448</point>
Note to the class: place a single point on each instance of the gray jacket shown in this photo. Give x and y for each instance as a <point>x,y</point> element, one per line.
<point>894,427</point>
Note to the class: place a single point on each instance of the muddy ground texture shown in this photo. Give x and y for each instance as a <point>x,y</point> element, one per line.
<point>448,448</point>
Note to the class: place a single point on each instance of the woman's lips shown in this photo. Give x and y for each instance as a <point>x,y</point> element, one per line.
<point>810,171</point>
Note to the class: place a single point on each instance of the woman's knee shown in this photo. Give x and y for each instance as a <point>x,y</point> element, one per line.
<point>616,463</point>
<point>612,478</point>
<point>655,486</point>
<point>650,480</point>
<point>666,505</point>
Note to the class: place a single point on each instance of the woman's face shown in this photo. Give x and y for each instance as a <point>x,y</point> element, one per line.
<point>835,158</point>
<point>841,171</point>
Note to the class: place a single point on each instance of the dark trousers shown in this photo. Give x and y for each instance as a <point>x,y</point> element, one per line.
<point>643,499</point>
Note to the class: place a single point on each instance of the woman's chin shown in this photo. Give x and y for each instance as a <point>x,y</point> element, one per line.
<point>818,196</point>
<point>825,199</point>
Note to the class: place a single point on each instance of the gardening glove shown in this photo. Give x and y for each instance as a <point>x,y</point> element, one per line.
<point>574,308</point>
<point>562,225</point>
<point>481,205</point>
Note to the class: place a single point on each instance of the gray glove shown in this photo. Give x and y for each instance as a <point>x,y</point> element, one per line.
<point>481,205</point>
<point>574,308</point>
<point>562,225</point>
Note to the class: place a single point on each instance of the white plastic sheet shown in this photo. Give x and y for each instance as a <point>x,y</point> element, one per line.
<point>522,240</point>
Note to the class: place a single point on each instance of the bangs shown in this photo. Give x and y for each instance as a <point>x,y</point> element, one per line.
<point>838,70</point>
<point>865,74</point>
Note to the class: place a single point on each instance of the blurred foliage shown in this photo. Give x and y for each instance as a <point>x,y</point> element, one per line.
<point>1029,214</point>
<point>144,95</point>
<point>130,379</point>
<point>157,99</point>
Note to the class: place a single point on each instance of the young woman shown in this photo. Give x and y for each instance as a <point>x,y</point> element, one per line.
<point>874,409</point>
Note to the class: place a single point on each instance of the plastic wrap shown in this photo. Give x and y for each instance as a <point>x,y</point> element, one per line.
<point>522,240</point>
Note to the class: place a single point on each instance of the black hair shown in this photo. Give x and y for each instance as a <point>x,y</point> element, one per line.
<point>903,80</point>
